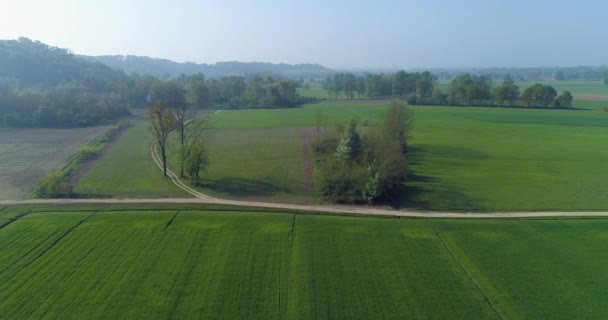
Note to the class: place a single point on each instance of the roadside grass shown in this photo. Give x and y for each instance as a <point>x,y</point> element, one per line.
<point>27,155</point>
<point>127,170</point>
<point>208,264</point>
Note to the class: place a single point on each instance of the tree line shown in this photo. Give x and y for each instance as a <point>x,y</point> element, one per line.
<point>420,88</point>
<point>43,86</point>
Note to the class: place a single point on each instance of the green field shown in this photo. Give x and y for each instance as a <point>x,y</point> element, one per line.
<point>462,158</point>
<point>158,264</point>
<point>27,155</point>
<point>466,159</point>
<point>128,170</point>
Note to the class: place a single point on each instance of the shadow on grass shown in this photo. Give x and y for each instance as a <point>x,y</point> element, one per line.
<point>240,187</point>
<point>424,192</point>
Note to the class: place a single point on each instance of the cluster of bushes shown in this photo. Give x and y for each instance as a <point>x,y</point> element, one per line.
<point>364,169</point>
<point>54,185</point>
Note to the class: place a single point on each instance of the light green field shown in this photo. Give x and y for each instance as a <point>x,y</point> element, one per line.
<point>128,170</point>
<point>159,264</point>
<point>27,155</point>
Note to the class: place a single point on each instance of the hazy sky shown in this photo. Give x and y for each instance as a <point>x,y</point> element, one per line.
<point>350,33</point>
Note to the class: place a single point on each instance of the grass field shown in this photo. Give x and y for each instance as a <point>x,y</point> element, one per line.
<point>462,158</point>
<point>27,155</point>
<point>127,170</point>
<point>159,264</point>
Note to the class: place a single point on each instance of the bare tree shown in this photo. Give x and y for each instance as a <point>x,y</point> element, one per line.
<point>182,113</point>
<point>161,122</point>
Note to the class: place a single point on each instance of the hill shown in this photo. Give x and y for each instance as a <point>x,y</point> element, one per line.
<point>28,63</point>
<point>168,68</point>
<point>45,86</point>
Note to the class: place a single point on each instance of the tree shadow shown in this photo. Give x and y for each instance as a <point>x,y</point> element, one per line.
<point>442,151</point>
<point>240,187</point>
<point>424,192</point>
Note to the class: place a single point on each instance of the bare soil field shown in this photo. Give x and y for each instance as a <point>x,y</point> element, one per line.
<point>27,155</point>
<point>306,134</point>
<point>590,97</point>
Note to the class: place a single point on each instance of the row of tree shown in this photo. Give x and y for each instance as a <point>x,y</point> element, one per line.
<point>400,84</point>
<point>465,89</point>
<point>472,90</point>
<point>366,169</point>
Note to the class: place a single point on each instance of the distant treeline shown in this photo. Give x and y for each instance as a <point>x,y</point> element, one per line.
<point>421,88</point>
<point>43,86</point>
<point>528,74</point>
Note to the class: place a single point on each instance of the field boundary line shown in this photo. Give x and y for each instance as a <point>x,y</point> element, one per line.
<point>468,274</point>
<point>56,241</point>
<point>172,219</point>
<point>15,218</point>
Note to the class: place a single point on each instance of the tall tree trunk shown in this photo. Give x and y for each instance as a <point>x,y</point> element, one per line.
<point>164,158</point>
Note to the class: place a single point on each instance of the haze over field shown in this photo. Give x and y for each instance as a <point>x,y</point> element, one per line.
<point>340,34</point>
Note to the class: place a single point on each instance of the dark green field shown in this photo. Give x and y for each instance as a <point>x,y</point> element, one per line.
<point>158,264</point>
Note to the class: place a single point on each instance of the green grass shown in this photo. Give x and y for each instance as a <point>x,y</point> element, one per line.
<point>462,158</point>
<point>128,170</point>
<point>466,159</point>
<point>159,264</point>
<point>255,164</point>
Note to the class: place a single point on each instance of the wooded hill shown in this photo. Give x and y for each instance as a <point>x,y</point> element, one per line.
<point>166,68</point>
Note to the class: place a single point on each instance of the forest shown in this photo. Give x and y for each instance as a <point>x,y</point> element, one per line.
<point>44,86</point>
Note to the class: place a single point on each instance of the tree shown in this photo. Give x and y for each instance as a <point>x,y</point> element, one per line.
<point>161,122</point>
<point>192,154</point>
<point>54,185</point>
<point>197,161</point>
<point>424,84</point>
<point>606,78</point>
<point>507,91</point>
<point>350,145</point>
<point>173,96</point>
<point>547,95</point>
<point>198,92</point>
<point>564,100</point>
<point>397,124</point>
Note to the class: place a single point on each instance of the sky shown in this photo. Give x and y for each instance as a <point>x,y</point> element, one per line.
<point>338,34</point>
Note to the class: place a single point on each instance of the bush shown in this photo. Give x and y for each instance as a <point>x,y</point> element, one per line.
<point>54,186</point>
<point>87,152</point>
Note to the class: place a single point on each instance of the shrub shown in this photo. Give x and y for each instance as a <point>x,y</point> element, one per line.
<point>54,185</point>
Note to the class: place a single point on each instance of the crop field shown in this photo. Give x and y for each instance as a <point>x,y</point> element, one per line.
<point>127,170</point>
<point>158,264</point>
<point>27,155</point>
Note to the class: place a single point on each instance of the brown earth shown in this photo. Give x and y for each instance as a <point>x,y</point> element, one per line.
<point>306,134</point>
<point>590,97</point>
